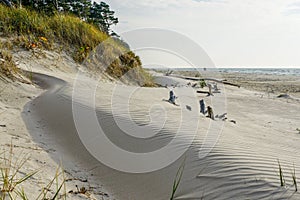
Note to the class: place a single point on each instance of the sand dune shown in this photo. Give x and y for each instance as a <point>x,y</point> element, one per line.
<point>241,165</point>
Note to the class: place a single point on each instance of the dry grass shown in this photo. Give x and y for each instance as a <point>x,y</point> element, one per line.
<point>12,179</point>
<point>8,67</point>
<point>9,181</point>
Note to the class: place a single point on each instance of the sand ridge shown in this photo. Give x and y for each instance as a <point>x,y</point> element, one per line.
<point>243,164</point>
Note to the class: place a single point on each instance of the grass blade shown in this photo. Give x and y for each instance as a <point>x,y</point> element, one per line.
<point>294,178</point>
<point>177,180</point>
<point>282,182</point>
<point>58,190</point>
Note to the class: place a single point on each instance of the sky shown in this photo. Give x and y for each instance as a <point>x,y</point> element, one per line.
<point>234,33</point>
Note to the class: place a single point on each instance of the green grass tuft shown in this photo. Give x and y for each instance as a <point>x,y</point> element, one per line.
<point>202,83</point>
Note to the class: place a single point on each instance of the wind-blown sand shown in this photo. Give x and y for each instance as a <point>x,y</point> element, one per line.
<point>242,164</point>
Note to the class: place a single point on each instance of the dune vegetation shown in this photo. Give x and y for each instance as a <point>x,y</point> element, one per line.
<point>31,30</point>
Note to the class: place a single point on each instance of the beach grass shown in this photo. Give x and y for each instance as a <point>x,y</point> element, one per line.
<point>11,185</point>
<point>36,31</point>
<point>202,83</point>
<point>8,67</point>
<point>177,180</point>
<point>281,177</point>
<point>59,185</point>
<point>10,168</point>
<point>294,178</point>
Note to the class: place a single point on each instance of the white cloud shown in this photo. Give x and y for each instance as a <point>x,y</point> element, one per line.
<point>233,32</point>
<point>293,8</point>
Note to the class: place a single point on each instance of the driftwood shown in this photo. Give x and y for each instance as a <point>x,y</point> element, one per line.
<point>225,82</point>
<point>169,72</point>
<point>232,84</point>
<point>203,92</point>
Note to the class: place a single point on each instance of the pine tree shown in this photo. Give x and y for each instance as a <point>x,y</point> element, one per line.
<point>102,16</point>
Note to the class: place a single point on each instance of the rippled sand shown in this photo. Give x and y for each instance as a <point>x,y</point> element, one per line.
<point>242,159</point>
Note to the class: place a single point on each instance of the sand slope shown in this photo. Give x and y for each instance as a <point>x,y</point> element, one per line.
<point>242,165</point>
<point>15,130</point>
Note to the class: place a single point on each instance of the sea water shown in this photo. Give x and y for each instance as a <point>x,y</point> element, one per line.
<point>271,71</point>
<point>275,71</point>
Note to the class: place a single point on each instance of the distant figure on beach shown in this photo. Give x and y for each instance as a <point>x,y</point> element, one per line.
<point>210,113</point>
<point>172,97</point>
<point>202,106</point>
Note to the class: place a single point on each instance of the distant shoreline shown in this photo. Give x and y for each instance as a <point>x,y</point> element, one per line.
<point>270,71</point>
<point>258,81</point>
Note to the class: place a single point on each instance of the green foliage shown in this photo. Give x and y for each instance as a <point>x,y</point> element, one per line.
<point>96,13</point>
<point>79,8</point>
<point>74,32</point>
<point>33,30</point>
<point>102,16</point>
<point>202,83</point>
<point>38,30</point>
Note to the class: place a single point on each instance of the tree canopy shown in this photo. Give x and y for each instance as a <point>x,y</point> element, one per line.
<point>97,13</point>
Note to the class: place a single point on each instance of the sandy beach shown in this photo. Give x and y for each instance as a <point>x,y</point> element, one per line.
<point>270,84</point>
<point>241,152</point>
<point>149,100</point>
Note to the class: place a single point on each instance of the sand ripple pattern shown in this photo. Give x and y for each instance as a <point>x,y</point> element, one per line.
<point>240,166</point>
